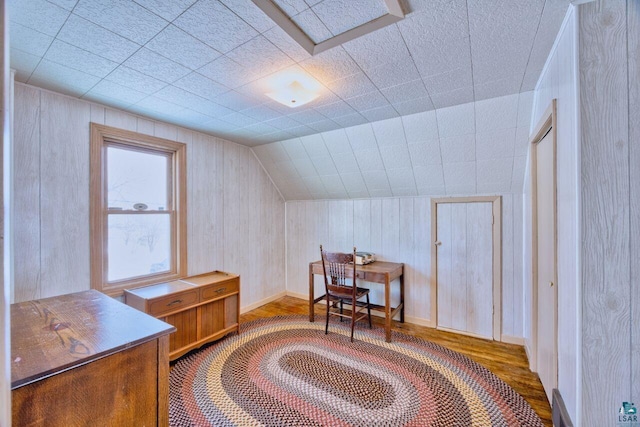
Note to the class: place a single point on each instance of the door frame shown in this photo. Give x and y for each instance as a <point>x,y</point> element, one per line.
<point>496,237</point>
<point>547,124</point>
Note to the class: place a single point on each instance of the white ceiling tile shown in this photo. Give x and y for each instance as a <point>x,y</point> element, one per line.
<point>259,128</point>
<point>282,122</point>
<point>168,9</point>
<point>260,55</point>
<point>304,166</point>
<point>285,43</point>
<point>382,192</point>
<point>497,88</point>
<point>449,81</point>
<point>389,132</point>
<point>525,105</point>
<point>292,7</point>
<point>369,160</point>
<point>460,178</point>
<point>263,154</point>
<point>188,116</point>
<point>429,176</point>
<point>213,23</point>
<point>187,99</point>
<point>239,119</point>
<point>262,112</point>
<point>50,75</point>
<point>301,130</point>
<point>404,192</point>
<point>375,180</point>
<point>401,178</point>
<point>125,18</point>
<point>495,175</point>
<point>324,125</point>
<point>496,113</point>
<point>314,145</point>
<point>182,48</point>
<point>24,63</point>
<point>420,127</point>
<point>437,20</point>
<point>531,78</point>
<point>350,120</point>
<point>324,165</point>
<point>346,162</point>
<point>393,73</point>
<point>230,72</point>
<point>277,152</point>
<point>66,4</point>
<point>38,15</point>
<point>457,120</point>
<point>29,40</point>
<point>379,47</point>
<point>361,137</point>
<point>287,168</point>
<point>353,182</point>
<point>368,102</point>
<point>521,142</point>
<point>413,106</point>
<point>235,101</point>
<point>336,109</point>
<point>312,2</point>
<point>156,66</point>
<point>395,156</point>
<point>294,149</point>
<point>340,16</point>
<point>78,59</point>
<point>116,92</point>
<point>307,116</point>
<point>495,144</point>
<point>95,39</point>
<point>334,185</point>
<point>135,80</point>
<point>359,194</point>
<point>251,14</point>
<point>380,113</point>
<point>425,153</point>
<point>459,148</point>
<point>352,86</point>
<point>312,26</point>
<point>331,65</point>
<point>336,141</point>
<point>406,91</point>
<point>431,191</point>
<point>517,179</point>
<point>314,184</point>
<point>455,97</point>
<point>444,55</point>
<point>200,85</point>
<point>152,103</point>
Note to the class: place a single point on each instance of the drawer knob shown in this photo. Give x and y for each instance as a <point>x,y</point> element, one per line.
<point>178,301</point>
<point>221,290</point>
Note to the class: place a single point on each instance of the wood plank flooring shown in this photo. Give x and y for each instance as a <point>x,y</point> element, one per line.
<point>507,361</point>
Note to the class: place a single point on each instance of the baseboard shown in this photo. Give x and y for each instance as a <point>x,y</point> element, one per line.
<point>559,412</point>
<point>262,302</point>
<point>419,321</point>
<point>297,295</point>
<point>510,339</point>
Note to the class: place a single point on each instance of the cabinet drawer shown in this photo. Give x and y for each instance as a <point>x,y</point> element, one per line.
<point>173,302</point>
<point>218,290</point>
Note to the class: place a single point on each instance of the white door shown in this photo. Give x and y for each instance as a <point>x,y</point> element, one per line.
<point>547,359</point>
<point>465,267</point>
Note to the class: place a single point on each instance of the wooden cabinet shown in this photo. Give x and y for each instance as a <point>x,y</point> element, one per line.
<point>86,359</point>
<point>203,308</point>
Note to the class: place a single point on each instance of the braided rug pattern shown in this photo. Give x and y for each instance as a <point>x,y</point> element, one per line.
<point>284,371</point>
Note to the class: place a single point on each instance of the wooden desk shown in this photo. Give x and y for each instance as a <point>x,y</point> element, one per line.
<point>377,272</point>
<point>87,359</point>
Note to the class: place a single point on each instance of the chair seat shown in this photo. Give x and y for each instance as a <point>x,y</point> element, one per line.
<point>347,293</point>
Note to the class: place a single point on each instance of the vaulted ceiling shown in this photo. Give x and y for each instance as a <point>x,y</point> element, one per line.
<point>200,63</point>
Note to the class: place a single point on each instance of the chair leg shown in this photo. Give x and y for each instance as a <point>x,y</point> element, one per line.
<point>340,310</point>
<point>369,311</point>
<point>326,328</point>
<point>353,316</point>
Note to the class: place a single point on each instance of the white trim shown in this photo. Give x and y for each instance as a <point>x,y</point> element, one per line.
<point>468,334</point>
<point>510,339</point>
<point>262,302</point>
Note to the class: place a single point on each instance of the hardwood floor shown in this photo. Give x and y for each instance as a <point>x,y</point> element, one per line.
<point>507,361</point>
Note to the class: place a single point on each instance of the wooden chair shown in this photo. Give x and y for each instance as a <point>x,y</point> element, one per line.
<point>338,267</point>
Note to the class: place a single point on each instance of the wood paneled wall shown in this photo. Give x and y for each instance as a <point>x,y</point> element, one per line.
<point>559,81</point>
<point>395,229</point>
<point>235,214</point>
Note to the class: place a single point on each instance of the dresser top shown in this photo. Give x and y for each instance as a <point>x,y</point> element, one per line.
<point>209,278</point>
<point>55,334</point>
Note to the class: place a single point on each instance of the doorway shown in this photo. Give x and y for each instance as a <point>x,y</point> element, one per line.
<point>466,265</point>
<point>544,264</point>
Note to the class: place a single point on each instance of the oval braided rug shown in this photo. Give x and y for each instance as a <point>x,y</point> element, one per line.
<point>284,371</point>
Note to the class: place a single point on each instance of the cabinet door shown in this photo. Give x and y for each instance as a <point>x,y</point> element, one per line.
<point>186,324</point>
<point>231,311</point>
<point>211,318</point>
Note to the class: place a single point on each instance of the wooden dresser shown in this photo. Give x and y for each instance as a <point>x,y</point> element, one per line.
<point>87,359</point>
<point>203,308</point>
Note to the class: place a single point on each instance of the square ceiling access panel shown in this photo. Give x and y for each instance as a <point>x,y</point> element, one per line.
<point>321,25</point>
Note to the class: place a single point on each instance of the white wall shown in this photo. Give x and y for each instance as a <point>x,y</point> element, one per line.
<point>559,80</point>
<point>235,214</point>
<point>399,230</point>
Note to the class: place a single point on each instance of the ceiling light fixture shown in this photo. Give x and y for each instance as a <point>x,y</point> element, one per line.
<point>293,88</point>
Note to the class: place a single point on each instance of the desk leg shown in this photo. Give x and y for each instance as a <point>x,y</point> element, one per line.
<point>402,295</point>
<point>311,294</point>
<point>387,308</point>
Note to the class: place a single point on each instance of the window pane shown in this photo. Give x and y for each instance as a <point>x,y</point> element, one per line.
<point>138,245</point>
<point>136,177</point>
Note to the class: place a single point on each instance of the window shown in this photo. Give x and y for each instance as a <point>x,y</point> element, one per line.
<point>138,209</point>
